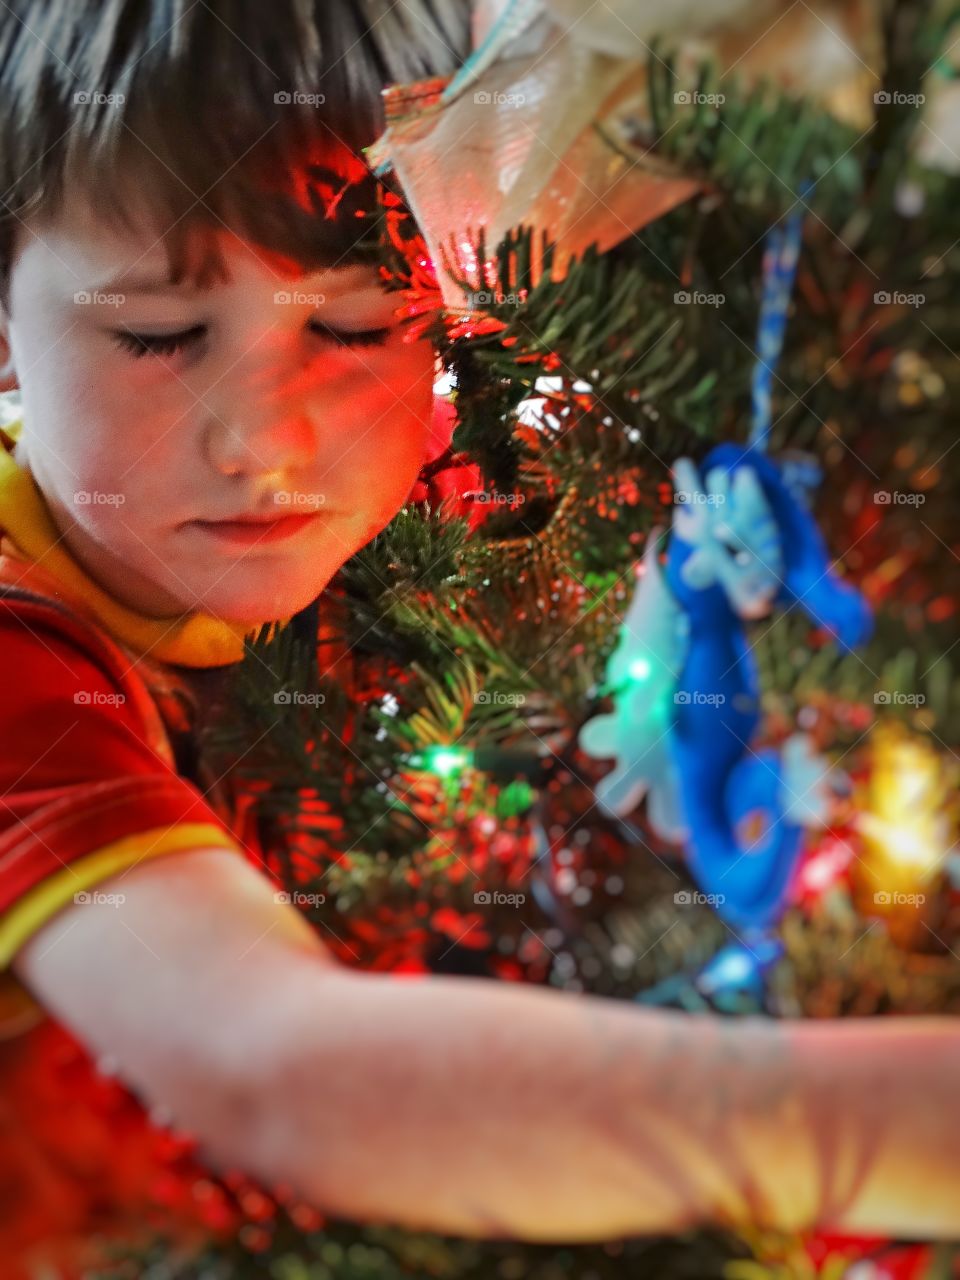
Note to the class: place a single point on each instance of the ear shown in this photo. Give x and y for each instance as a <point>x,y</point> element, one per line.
<point>8,375</point>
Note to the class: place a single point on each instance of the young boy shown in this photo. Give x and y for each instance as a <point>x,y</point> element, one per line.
<point>169,170</point>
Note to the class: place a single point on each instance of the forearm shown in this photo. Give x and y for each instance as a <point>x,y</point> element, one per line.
<point>478,1108</point>
<point>481,1108</point>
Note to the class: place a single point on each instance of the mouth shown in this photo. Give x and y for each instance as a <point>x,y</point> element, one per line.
<point>251,532</point>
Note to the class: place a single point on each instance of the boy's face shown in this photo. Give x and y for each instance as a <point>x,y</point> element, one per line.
<point>263,411</point>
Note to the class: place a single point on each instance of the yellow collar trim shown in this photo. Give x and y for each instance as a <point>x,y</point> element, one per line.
<point>190,640</point>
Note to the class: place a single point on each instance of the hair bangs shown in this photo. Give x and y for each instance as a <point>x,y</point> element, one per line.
<point>183,117</point>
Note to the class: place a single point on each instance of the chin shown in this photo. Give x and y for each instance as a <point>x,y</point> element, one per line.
<point>264,601</point>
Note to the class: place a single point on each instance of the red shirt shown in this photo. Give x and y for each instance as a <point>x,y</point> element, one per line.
<point>95,721</point>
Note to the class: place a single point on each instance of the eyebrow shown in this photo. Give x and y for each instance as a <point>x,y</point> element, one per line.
<point>155,286</point>
<point>143,287</point>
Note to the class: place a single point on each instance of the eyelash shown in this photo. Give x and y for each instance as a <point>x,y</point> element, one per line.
<point>168,344</point>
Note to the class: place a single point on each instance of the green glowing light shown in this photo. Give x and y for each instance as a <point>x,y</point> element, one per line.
<point>445,760</point>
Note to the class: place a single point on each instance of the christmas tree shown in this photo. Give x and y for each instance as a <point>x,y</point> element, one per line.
<point>421,756</point>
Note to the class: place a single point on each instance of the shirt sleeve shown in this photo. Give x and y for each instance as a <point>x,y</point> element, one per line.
<point>82,793</point>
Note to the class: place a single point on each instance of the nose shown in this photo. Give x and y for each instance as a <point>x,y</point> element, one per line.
<point>278,444</point>
<point>260,426</point>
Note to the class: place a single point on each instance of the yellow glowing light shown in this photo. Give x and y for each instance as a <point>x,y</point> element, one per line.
<point>908,811</point>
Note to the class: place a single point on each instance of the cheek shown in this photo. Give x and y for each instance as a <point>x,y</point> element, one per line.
<point>389,464</point>
<point>396,447</point>
<point>116,488</point>
<point>90,424</point>
<point>381,477</point>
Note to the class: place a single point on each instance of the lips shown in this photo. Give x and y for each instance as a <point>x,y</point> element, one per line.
<point>250,531</point>
<point>269,515</point>
<point>245,517</point>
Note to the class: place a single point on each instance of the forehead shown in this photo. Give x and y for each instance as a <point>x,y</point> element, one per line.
<point>84,246</point>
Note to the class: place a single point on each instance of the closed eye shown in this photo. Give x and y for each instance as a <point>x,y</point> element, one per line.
<point>352,338</point>
<point>158,344</point>
<point>169,344</point>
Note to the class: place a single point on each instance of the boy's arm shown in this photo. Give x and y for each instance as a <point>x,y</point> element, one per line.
<point>482,1108</point>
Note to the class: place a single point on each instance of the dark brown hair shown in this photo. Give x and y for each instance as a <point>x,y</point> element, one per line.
<point>201,113</point>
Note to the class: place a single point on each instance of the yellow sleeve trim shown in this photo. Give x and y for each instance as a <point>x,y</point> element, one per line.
<point>22,920</point>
